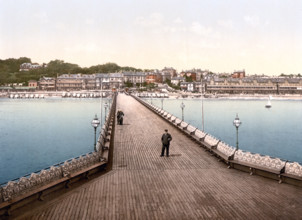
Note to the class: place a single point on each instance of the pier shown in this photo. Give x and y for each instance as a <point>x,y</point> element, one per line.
<point>190,184</point>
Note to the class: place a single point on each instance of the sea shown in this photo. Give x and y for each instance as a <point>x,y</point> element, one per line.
<point>38,133</point>
<point>275,131</point>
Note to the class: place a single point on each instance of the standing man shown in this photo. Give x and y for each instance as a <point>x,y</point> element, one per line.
<point>165,139</point>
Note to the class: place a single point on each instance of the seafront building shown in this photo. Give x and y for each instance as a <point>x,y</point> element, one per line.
<point>253,85</point>
<point>195,80</point>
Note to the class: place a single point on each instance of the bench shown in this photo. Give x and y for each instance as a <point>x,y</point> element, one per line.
<point>183,125</point>
<point>191,129</point>
<point>177,122</point>
<point>165,114</point>
<point>14,192</point>
<point>173,118</point>
<point>161,112</point>
<point>199,135</point>
<point>210,142</point>
<point>293,170</point>
<point>224,151</point>
<point>255,162</point>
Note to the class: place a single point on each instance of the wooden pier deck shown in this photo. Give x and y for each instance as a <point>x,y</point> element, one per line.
<point>190,184</point>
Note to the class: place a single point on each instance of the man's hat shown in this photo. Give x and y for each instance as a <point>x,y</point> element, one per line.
<point>166,130</point>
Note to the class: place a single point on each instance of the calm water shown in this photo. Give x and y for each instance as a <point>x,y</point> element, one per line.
<point>276,132</point>
<point>35,134</point>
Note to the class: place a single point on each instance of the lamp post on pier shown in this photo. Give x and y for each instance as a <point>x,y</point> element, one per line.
<point>162,103</point>
<point>95,123</point>
<point>106,106</point>
<point>237,123</point>
<point>182,106</point>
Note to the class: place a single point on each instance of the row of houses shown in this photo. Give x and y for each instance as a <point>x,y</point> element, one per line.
<point>200,81</point>
<point>252,85</point>
<point>97,81</point>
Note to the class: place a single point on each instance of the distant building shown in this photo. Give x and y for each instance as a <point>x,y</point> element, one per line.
<point>238,74</point>
<point>33,83</point>
<point>47,83</point>
<point>191,86</point>
<point>177,80</point>
<point>30,66</point>
<point>67,82</point>
<point>154,78</point>
<point>169,71</point>
<point>134,77</point>
<point>252,85</point>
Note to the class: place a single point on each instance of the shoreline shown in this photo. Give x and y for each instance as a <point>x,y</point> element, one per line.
<point>178,95</point>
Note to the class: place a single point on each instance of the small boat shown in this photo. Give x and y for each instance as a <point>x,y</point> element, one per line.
<point>268,104</point>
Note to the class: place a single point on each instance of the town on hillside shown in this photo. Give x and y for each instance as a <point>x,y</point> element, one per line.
<point>194,81</point>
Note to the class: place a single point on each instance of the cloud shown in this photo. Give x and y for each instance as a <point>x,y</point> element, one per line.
<point>42,17</point>
<point>178,21</point>
<point>226,24</point>
<point>89,21</point>
<point>154,19</point>
<point>90,47</point>
<point>200,30</point>
<point>253,20</point>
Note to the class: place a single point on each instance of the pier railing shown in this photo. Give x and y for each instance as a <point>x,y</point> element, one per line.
<point>36,184</point>
<point>275,168</point>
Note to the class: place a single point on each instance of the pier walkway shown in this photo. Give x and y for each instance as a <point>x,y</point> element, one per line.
<point>190,184</point>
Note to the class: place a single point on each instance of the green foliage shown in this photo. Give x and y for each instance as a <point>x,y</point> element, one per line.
<point>188,78</point>
<point>172,85</point>
<point>128,84</point>
<point>9,70</point>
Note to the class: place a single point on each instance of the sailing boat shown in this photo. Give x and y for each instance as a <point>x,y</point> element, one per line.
<point>269,104</point>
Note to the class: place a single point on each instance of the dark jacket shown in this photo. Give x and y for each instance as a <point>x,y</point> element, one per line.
<point>166,138</point>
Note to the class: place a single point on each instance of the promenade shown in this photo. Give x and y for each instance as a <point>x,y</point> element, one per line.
<point>190,184</point>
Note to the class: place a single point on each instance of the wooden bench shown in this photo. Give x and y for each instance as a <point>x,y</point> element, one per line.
<point>177,122</point>
<point>183,125</point>
<point>191,129</point>
<point>173,118</point>
<point>210,142</point>
<point>40,190</point>
<point>259,164</point>
<point>165,114</point>
<point>161,112</point>
<point>293,170</point>
<point>224,151</point>
<point>199,135</point>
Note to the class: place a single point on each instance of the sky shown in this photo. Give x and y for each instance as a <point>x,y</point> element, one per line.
<point>259,36</point>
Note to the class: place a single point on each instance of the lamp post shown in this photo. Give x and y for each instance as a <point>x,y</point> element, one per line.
<point>106,106</point>
<point>162,103</point>
<point>95,123</point>
<point>182,106</point>
<point>237,123</point>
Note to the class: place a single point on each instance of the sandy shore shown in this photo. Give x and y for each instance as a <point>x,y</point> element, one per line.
<point>178,95</point>
<point>236,96</point>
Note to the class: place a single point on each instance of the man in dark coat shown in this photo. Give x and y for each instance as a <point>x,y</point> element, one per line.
<point>165,139</point>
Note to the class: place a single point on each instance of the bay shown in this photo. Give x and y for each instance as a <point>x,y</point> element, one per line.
<point>38,133</point>
<point>276,131</point>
